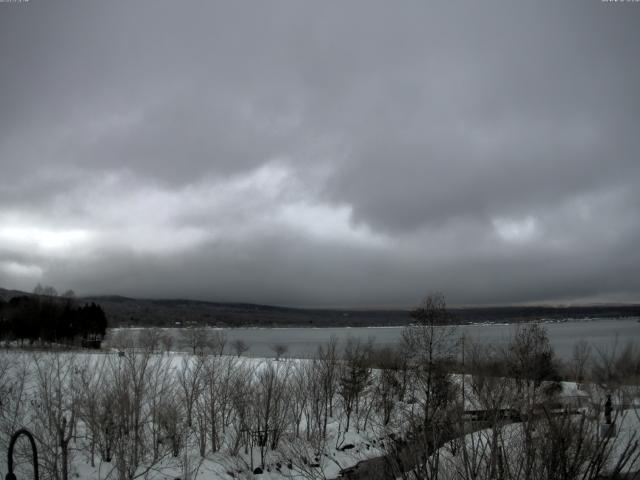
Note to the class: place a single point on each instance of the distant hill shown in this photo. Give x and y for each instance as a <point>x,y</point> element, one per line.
<point>124,311</point>
<point>7,295</point>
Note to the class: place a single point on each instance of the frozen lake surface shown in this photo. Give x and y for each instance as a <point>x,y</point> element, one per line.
<point>303,342</point>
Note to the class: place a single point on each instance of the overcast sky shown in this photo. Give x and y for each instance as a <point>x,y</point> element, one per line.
<point>322,153</point>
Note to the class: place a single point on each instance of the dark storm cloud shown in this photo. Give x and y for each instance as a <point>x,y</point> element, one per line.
<point>301,153</point>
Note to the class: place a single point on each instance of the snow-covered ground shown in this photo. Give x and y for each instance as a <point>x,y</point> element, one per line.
<point>294,457</point>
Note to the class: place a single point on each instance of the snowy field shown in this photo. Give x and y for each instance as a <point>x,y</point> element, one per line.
<point>156,416</point>
<point>45,391</point>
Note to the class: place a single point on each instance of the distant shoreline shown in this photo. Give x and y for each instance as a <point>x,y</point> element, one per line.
<point>132,312</point>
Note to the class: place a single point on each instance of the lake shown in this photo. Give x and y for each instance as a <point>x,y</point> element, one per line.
<point>602,334</point>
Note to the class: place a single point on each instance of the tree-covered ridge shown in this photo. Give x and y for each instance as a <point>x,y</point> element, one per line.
<point>52,319</point>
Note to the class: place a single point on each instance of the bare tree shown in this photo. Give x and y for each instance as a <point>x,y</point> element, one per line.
<point>129,404</point>
<point>166,340</point>
<point>14,382</point>
<point>69,295</point>
<point>150,339</point>
<point>299,388</point>
<point>279,349</point>
<point>218,378</point>
<point>580,360</point>
<point>161,388</point>
<point>488,397</point>
<point>430,345</point>
<point>91,412</point>
<point>271,406</point>
<point>49,291</point>
<point>327,361</point>
<point>217,342</point>
<point>239,347</point>
<point>316,406</point>
<point>57,404</point>
<point>169,425</point>
<point>389,384</point>
<point>196,339</point>
<point>355,375</point>
<point>189,379</point>
<point>530,360</point>
<point>241,395</point>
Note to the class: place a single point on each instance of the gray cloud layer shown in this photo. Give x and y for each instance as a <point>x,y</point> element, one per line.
<point>305,153</point>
